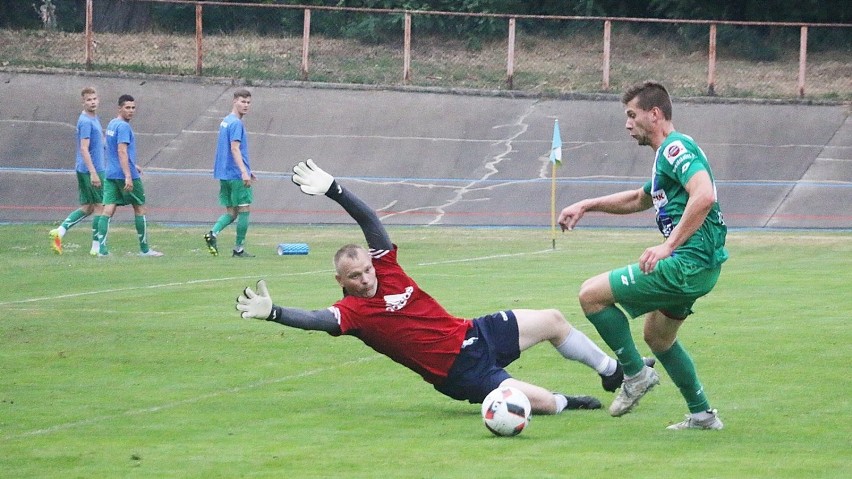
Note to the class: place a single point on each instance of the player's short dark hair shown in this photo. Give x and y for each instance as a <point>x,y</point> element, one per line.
<point>124,99</point>
<point>650,94</point>
<point>242,93</point>
<point>348,251</point>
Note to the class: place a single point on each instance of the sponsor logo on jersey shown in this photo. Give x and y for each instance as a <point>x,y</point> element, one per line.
<point>660,199</point>
<point>674,150</point>
<point>395,302</point>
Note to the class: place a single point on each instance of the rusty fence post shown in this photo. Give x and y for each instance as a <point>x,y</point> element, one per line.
<point>306,41</point>
<point>199,50</point>
<point>607,45</point>
<point>803,60</point>
<point>90,40</point>
<point>510,60</point>
<point>406,53</point>
<point>711,62</point>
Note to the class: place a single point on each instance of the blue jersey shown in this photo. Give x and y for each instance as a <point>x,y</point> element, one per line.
<point>231,129</point>
<point>119,131</point>
<point>89,127</point>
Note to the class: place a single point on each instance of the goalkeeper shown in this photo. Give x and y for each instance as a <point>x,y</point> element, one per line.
<point>387,310</point>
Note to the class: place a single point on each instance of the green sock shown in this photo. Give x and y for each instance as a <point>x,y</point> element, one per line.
<point>223,221</point>
<point>681,369</point>
<point>96,223</point>
<point>142,232</point>
<point>242,228</point>
<point>75,217</point>
<point>103,230</point>
<point>614,328</point>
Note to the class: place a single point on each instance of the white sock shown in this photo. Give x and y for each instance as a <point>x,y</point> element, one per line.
<point>561,402</point>
<point>61,230</point>
<point>579,347</point>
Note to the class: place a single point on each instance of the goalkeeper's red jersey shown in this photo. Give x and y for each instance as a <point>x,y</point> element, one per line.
<point>403,322</point>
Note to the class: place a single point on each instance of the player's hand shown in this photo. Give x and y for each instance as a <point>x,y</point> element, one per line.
<point>570,215</point>
<point>255,305</point>
<point>311,178</point>
<point>653,255</point>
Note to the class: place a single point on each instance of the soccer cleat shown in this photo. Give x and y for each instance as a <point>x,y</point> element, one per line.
<point>613,381</point>
<point>151,253</point>
<point>712,422</point>
<point>93,252</point>
<point>57,241</point>
<point>632,390</point>
<point>210,239</point>
<point>242,254</point>
<point>581,402</point>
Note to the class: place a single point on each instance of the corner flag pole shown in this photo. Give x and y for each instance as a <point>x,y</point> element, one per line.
<point>555,159</point>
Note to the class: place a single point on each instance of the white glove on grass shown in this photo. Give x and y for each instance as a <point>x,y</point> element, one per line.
<point>311,178</point>
<point>255,305</point>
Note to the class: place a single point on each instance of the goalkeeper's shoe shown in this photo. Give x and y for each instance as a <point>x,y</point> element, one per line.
<point>632,391</point>
<point>56,240</point>
<point>210,239</point>
<point>711,422</point>
<point>613,381</point>
<point>581,402</point>
<point>242,254</point>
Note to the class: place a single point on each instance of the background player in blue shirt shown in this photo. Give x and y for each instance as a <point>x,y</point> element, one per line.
<point>233,171</point>
<point>90,172</point>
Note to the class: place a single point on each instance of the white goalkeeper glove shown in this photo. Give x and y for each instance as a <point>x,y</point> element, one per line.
<point>311,178</point>
<point>255,305</point>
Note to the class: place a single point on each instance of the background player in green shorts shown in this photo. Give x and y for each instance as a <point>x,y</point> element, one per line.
<point>669,277</point>
<point>123,185</point>
<point>233,171</point>
<point>90,170</point>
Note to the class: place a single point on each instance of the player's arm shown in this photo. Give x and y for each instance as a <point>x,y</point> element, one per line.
<point>314,181</point>
<point>698,206</point>
<point>258,305</point>
<point>237,155</point>
<point>87,160</point>
<point>124,161</point>
<point>622,203</point>
<point>701,198</point>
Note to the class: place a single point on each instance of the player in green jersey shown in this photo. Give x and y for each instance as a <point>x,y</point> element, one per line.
<point>669,277</point>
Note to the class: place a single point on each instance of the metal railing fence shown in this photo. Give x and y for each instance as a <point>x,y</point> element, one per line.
<point>600,55</point>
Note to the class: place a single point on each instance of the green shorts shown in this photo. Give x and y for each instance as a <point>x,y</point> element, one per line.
<point>234,193</point>
<point>89,195</point>
<point>114,193</point>
<point>673,287</point>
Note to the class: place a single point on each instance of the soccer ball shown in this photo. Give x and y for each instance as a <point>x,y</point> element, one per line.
<point>506,411</point>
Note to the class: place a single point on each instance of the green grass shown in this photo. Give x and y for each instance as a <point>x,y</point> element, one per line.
<point>140,367</point>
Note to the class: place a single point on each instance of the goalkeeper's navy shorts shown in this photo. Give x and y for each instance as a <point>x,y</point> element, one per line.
<point>489,346</point>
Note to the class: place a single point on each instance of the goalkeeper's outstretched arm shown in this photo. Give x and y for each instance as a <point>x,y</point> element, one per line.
<point>314,181</point>
<point>374,231</point>
<point>258,305</point>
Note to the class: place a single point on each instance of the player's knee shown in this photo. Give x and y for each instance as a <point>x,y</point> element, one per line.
<point>588,296</point>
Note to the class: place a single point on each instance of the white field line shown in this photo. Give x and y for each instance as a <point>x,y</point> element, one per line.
<point>483,258</point>
<point>152,286</point>
<point>183,402</point>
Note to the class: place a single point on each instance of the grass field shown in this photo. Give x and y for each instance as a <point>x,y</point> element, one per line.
<point>140,367</point>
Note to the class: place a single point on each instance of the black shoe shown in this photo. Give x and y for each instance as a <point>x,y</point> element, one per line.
<point>613,381</point>
<point>242,254</point>
<point>210,240</point>
<point>581,402</point>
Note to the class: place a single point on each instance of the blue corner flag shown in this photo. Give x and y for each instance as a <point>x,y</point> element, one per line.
<point>556,147</point>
